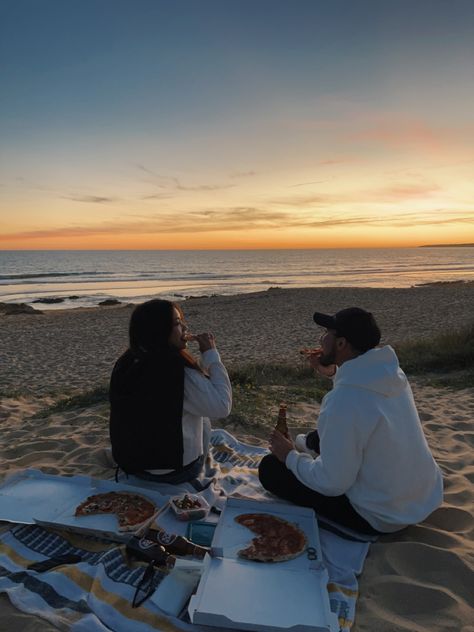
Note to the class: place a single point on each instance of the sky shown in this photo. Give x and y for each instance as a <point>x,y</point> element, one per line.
<point>214,124</point>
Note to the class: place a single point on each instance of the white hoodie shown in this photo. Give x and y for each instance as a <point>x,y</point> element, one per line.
<point>372,445</point>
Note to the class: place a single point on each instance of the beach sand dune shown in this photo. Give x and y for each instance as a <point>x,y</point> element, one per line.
<point>420,580</point>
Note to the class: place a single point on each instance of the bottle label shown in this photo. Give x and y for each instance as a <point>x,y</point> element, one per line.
<point>166,538</point>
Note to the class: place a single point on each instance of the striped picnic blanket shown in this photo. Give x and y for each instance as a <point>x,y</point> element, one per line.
<point>95,594</point>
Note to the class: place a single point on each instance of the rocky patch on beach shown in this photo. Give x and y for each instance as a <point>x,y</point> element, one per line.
<point>110,301</point>
<point>11,309</point>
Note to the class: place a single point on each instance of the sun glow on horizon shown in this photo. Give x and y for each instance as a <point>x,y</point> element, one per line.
<point>356,133</point>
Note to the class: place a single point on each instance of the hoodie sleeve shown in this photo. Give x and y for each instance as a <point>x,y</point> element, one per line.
<point>208,397</point>
<point>343,434</point>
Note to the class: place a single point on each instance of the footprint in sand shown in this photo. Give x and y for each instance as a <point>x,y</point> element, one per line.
<point>451,519</point>
<point>459,497</point>
<point>53,431</point>
<point>41,446</point>
<point>464,437</point>
<point>33,459</point>
<point>434,537</point>
<point>411,603</point>
<point>425,563</point>
<point>424,416</point>
<point>470,476</point>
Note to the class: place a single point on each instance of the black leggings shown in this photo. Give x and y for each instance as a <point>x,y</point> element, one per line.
<point>278,479</point>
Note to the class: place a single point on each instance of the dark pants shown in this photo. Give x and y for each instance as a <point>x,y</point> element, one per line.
<point>186,475</point>
<point>277,478</point>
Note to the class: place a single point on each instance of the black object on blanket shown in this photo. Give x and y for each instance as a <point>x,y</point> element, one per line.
<point>47,565</point>
<point>147,550</point>
<point>145,587</point>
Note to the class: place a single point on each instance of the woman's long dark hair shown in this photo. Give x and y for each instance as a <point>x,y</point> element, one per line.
<point>151,325</point>
<point>146,393</point>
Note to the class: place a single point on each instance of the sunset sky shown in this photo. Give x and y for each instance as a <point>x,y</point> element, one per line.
<point>236,123</point>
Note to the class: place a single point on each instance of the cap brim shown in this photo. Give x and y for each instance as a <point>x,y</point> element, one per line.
<point>324,320</point>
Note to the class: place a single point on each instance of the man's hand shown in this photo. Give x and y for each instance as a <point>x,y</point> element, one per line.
<point>314,357</point>
<point>280,445</point>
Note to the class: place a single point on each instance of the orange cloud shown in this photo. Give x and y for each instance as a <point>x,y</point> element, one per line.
<point>241,221</point>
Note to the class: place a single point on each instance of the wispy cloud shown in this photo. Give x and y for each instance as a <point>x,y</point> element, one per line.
<point>75,197</point>
<point>420,220</point>
<point>323,199</point>
<point>90,199</point>
<point>304,184</point>
<point>174,184</point>
<point>243,219</point>
<point>242,174</point>
<point>392,193</point>
<point>403,192</point>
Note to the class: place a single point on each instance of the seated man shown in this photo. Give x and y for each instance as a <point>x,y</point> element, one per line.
<point>372,469</point>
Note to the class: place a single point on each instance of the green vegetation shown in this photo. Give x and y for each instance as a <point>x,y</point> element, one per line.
<point>446,360</point>
<point>446,352</point>
<point>11,393</point>
<point>259,388</point>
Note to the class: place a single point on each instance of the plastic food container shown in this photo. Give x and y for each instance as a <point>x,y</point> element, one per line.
<point>189,506</point>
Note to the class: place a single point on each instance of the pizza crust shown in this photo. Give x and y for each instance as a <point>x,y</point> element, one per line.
<point>277,540</point>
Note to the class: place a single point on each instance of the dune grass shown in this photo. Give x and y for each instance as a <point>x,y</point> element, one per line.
<point>446,359</point>
<point>258,390</point>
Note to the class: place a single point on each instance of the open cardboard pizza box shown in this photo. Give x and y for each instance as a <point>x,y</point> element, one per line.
<point>32,497</point>
<point>269,597</point>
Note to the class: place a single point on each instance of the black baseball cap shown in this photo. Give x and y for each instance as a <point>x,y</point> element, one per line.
<point>355,324</point>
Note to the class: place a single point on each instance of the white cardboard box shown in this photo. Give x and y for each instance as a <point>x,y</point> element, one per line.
<point>30,497</point>
<point>268,597</point>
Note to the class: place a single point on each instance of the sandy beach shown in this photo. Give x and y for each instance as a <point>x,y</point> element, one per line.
<point>419,580</point>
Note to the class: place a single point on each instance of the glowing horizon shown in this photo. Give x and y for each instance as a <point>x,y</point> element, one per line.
<point>158,129</point>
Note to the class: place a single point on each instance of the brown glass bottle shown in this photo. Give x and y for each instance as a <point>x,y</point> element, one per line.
<point>148,550</point>
<point>281,424</point>
<point>176,544</point>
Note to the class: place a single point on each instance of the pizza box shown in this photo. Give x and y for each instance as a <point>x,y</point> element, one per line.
<point>268,597</point>
<point>33,497</point>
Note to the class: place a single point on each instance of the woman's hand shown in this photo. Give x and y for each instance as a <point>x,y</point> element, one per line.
<point>206,341</point>
<point>280,445</point>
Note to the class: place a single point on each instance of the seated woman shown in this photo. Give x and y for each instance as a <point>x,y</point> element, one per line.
<point>161,399</point>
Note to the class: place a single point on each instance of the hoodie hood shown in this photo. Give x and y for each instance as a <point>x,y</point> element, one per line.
<point>376,370</point>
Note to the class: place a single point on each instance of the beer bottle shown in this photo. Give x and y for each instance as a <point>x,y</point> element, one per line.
<point>281,424</point>
<point>149,551</point>
<point>176,544</point>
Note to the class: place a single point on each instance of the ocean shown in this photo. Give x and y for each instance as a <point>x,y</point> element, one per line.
<point>84,278</point>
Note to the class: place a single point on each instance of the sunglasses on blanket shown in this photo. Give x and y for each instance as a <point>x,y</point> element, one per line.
<point>146,586</point>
